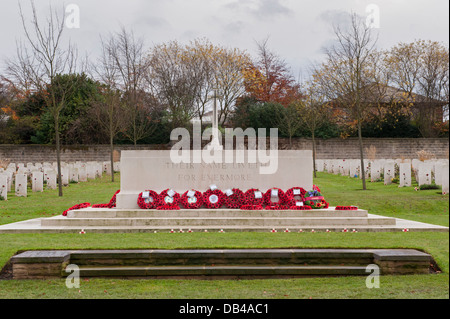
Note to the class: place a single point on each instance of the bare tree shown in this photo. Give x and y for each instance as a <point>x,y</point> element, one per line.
<point>38,65</point>
<point>175,80</point>
<point>422,67</point>
<point>314,112</point>
<point>229,78</point>
<point>123,66</point>
<point>109,116</point>
<point>287,119</point>
<point>347,73</point>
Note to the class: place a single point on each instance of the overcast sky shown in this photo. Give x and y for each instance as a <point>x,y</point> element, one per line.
<point>297,29</point>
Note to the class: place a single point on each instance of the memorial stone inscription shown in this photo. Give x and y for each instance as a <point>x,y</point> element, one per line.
<point>154,170</point>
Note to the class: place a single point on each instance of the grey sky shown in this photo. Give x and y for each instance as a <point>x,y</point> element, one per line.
<point>298,30</point>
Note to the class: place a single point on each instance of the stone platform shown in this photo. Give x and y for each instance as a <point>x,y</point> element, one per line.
<point>101,220</point>
<point>219,263</point>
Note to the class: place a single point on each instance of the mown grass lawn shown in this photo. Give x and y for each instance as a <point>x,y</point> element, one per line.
<point>425,206</point>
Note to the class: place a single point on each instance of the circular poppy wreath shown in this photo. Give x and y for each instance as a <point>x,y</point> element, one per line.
<point>193,202</point>
<point>251,207</point>
<point>213,198</point>
<point>346,208</point>
<point>78,206</point>
<point>250,199</point>
<point>291,198</point>
<point>148,203</point>
<point>268,197</point>
<point>234,201</point>
<point>315,199</point>
<point>166,202</point>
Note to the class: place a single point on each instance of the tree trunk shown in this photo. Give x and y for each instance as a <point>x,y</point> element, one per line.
<point>58,155</point>
<point>314,153</point>
<point>361,153</point>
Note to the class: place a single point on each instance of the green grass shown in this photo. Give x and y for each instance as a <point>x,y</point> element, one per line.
<point>426,206</point>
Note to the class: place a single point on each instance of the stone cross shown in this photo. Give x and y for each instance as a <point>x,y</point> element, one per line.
<point>215,142</point>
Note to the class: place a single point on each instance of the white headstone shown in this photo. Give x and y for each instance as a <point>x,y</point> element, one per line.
<point>389,172</point>
<point>90,170</point>
<point>438,175</point>
<point>375,171</point>
<point>445,177</point>
<point>65,176</point>
<point>98,169</point>
<point>82,175</point>
<point>10,175</point>
<point>73,174</point>
<point>107,168</point>
<point>51,179</point>
<point>319,165</point>
<point>366,169</point>
<point>424,174</point>
<point>4,186</point>
<point>405,174</point>
<point>337,167</point>
<point>21,185</point>
<point>345,168</point>
<point>37,181</point>
<point>354,168</point>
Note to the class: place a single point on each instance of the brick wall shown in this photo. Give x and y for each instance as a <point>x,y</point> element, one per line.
<point>326,149</point>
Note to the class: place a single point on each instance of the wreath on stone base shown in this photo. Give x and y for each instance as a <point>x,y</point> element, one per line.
<point>315,200</point>
<point>192,199</point>
<point>168,200</point>
<point>148,199</point>
<point>274,193</point>
<point>253,197</point>
<point>233,198</point>
<point>213,198</point>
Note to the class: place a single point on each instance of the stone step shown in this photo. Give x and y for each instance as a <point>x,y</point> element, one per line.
<point>225,213</point>
<point>219,257</point>
<point>177,222</point>
<point>227,262</point>
<point>222,271</point>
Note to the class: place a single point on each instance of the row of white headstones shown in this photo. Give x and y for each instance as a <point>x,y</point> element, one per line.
<point>43,176</point>
<point>386,170</point>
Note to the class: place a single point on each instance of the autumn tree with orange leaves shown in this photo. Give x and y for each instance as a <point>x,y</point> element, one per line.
<point>269,79</point>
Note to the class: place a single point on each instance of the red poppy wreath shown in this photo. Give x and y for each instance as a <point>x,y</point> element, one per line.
<point>168,200</point>
<point>294,196</point>
<point>148,199</point>
<point>274,197</point>
<point>253,197</point>
<point>233,198</point>
<point>192,199</point>
<point>213,198</point>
